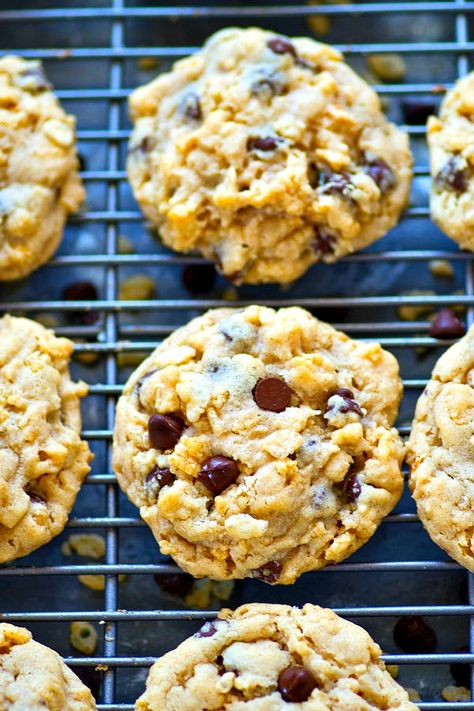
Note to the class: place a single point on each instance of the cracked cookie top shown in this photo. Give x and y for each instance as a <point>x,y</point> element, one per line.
<point>271,658</point>
<point>39,180</point>
<point>259,443</point>
<point>43,460</point>
<point>266,154</point>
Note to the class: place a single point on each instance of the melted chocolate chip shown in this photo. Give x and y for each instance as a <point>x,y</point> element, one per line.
<point>414,636</point>
<point>263,143</point>
<point>270,572</point>
<point>446,325</point>
<point>164,431</point>
<point>272,394</point>
<point>208,629</point>
<point>296,684</point>
<point>460,672</point>
<point>281,45</point>
<point>349,405</point>
<point>162,477</point>
<point>218,473</point>
<point>199,278</point>
<point>334,183</point>
<point>452,176</point>
<point>352,488</point>
<point>35,497</point>
<point>382,175</point>
<point>175,583</point>
<point>323,241</point>
<point>191,107</point>
<point>81,291</point>
<point>92,678</point>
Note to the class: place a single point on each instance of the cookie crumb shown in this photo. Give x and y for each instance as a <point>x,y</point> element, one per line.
<point>441,268</point>
<point>130,359</point>
<point>412,312</point>
<point>230,294</point>
<point>88,545</point>
<point>137,287</point>
<point>148,64</point>
<point>393,670</point>
<point>388,67</point>
<point>125,245</point>
<point>46,319</point>
<point>456,693</point>
<point>97,582</point>
<point>205,591</point>
<point>83,637</point>
<point>318,24</point>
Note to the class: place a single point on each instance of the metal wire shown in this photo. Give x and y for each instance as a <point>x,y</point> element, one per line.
<point>113,336</point>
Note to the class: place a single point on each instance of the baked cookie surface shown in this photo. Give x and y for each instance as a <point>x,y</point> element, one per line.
<point>272,657</point>
<point>259,443</point>
<point>266,155</point>
<point>35,678</point>
<point>39,180</point>
<point>441,452</point>
<point>451,143</point>
<point>43,460</point>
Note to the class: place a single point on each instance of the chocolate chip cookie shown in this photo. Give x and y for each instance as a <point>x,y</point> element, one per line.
<point>265,657</point>
<point>441,452</point>
<point>266,154</point>
<point>34,678</point>
<point>259,443</point>
<point>39,180</point>
<point>43,460</point>
<point>451,143</point>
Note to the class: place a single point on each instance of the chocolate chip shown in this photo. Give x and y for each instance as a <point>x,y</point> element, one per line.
<point>334,183</point>
<point>164,431</point>
<point>296,683</point>
<point>414,636</point>
<point>452,176</point>
<point>323,241</point>
<point>90,677</point>
<point>175,583</point>
<point>349,404</point>
<point>144,146</point>
<point>281,45</point>
<point>199,278</point>
<point>208,629</point>
<point>263,143</point>
<point>382,175</point>
<point>270,572</point>
<point>446,325</point>
<point>460,672</point>
<point>162,477</point>
<point>267,84</point>
<point>191,107</point>
<point>416,112</point>
<point>81,291</point>
<point>352,488</point>
<point>218,473</point>
<point>272,394</point>
<point>35,497</point>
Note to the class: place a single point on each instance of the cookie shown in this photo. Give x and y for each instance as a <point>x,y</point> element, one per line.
<point>39,180</point>
<point>258,443</point>
<point>271,657</point>
<point>441,452</point>
<point>34,678</point>
<point>266,155</point>
<point>451,143</point>
<point>43,460</point>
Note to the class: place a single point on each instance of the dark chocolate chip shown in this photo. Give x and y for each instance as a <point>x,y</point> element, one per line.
<point>199,278</point>
<point>281,45</point>
<point>416,112</point>
<point>323,241</point>
<point>164,431</point>
<point>414,636</point>
<point>452,176</point>
<point>35,497</point>
<point>89,676</point>
<point>191,106</point>
<point>272,394</point>
<point>313,175</point>
<point>217,473</point>
<point>81,291</point>
<point>382,175</point>
<point>350,405</point>
<point>267,84</point>
<point>162,477</point>
<point>446,325</point>
<point>460,672</point>
<point>296,684</point>
<point>352,488</point>
<point>263,143</point>
<point>208,629</point>
<point>270,572</point>
<point>175,583</point>
<point>334,183</point>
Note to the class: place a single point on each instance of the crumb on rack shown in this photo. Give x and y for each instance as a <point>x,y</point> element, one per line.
<point>456,693</point>
<point>125,245</point>
<point>147,64</point>
<point>130,359</point>
<point>393,670</point>
<point>137,287</point>
<point>97,582</point>
<point>88,545</point>
<point>46,319</point>
<point>413,694</point>
<point>83,637</point>
<point>388,67</point>
<point>230,294</point>
<point>86,357</point>
<point>205,591</point>
<point>441,268</point>
<point>412,312</point>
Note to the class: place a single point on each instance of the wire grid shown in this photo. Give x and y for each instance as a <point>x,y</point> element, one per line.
<point>119,336</point>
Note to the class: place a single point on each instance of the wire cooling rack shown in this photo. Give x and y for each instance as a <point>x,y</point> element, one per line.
<point>95,54</point>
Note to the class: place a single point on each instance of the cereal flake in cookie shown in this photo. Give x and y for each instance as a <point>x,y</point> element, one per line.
<point>35,678</point>
<point>264,657</point>
<point>43,460</point>
<point>266,155</point>
<point>441,452</point>
<point>259,443</point>
<point>39,180</point>
<point>451,143</point>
